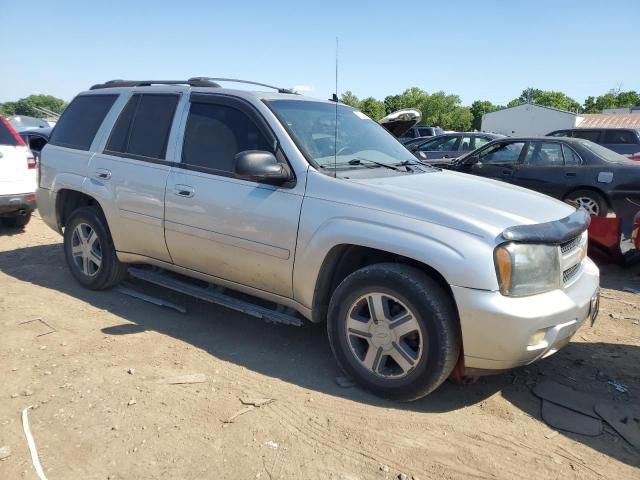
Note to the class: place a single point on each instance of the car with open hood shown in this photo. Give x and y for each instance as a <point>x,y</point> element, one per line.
<point>299,209</point>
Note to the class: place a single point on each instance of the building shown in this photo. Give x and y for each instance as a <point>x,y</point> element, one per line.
<point>529,120</point>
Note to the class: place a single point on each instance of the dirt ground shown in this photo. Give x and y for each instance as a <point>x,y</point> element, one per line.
<point>103,406</point>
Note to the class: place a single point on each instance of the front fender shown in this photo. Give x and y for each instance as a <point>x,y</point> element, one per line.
<point>460,257</point>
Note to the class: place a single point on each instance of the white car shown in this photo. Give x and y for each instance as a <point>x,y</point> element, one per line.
<point>18,169</point>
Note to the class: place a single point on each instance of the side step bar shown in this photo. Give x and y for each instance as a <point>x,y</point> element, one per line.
<point>215,296</point>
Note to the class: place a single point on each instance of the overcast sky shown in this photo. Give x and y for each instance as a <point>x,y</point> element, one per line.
<point>488,50</point>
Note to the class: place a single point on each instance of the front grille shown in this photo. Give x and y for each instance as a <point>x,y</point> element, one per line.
<point>569,246</point>
<point>570,273</point>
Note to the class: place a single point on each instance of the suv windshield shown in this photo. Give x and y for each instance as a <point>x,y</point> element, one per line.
<point>313,126</point>
<point>604,153</point>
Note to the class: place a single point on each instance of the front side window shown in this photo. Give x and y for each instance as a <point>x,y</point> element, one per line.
<point>216,133</point>
<point>502,153</point>
<point>619,137</point>
<point>445,144</point>
<point>544,154</point>
<point>81,120</point>
<point>356,138</point>
<point>143,127</point>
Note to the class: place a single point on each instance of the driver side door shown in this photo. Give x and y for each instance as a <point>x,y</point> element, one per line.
<point>499,161</point>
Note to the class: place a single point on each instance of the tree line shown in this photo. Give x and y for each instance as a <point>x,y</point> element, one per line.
<point>445,110</point>
<point>438,109</point>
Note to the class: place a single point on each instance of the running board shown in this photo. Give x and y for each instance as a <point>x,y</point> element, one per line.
<point>215,296</point>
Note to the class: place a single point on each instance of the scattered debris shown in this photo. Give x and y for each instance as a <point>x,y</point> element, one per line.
<point>570,420</point>
<point>403,476</point>
<point>131,371</point>
<point>32,444</point>
<point>384,468</point>
<point>620,387</point>
<point>184,379</point>
<point>148,298</point>
<point>624,419</point>
<point>5,452</point>
<point>344,382</point>
<point>51,329</point>
<point>256,402</point>
<point>238,413</point>
<point>272,444</point>
<point>27,393</point>
<point>132,402</point>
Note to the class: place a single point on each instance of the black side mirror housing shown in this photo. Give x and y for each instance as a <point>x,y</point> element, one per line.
<point>260,166</point>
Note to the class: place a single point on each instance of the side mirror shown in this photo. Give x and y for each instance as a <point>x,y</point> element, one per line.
<point>260,166</point>
<point>420,154</point>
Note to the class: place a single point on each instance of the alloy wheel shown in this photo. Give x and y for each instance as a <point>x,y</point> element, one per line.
<point>86,249</point>
<point>589,204</point>
<point>384,335</point>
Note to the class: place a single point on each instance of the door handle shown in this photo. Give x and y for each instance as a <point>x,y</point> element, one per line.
<point>184,191</point>
<point>103,174</point>
<point>570,174</point>
<point>507,172</point>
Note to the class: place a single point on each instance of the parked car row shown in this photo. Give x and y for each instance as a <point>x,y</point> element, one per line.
<point>625,141</point>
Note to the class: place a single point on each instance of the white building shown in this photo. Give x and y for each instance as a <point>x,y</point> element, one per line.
<point>528,120</point>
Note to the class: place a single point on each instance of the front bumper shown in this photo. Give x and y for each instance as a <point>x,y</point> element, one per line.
<point>20,203</point>
<point>500,332</point>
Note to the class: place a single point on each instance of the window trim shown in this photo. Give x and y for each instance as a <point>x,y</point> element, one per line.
<point>133,156</point>
<point>254,115</point>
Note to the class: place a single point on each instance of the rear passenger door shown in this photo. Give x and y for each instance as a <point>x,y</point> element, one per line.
<point>133,168</point>
<point>237,230</point>
<point>549,167</point>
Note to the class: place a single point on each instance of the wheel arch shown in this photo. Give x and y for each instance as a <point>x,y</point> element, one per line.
<point>69,200</point>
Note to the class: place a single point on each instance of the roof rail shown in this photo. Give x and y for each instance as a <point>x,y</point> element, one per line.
<point>248,82</point>
<point>192,82</point>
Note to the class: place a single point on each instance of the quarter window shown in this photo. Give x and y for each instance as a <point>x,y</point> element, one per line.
<point>216,133</point>
<point>570,157</point>
<point>81,120</point>
<point>544,154</point>
<point>143,127</point>
<point>502,153</point>
<point>619,137</point>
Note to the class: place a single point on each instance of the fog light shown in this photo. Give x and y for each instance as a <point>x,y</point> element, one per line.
<point>537,337</point>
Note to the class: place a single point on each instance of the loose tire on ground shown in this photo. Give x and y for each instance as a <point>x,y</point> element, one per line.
<point>591,201</point>
<point>89,250</point>
<point>403,371</point>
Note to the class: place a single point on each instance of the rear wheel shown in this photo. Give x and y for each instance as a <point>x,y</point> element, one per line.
<point>591,201</point>
<point>394,330</point>
<point>89,250</point>
<point>16,221</point>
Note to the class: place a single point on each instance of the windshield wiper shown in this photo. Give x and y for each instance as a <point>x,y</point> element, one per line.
<point>358,161</point>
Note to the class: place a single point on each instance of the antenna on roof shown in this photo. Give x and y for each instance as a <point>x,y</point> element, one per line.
<point>335,137</point>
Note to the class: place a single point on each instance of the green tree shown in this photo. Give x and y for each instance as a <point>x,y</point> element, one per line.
<point>30,106</point>
<point>628,99</point>
<point>611,99</point>
<point>348,98</point>
<point>479,108</point>
<point>373,108</point>
<point>546,98</point>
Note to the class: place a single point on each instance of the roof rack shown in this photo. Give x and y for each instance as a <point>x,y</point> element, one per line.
<point>248,82</point>
<point>192,82</point>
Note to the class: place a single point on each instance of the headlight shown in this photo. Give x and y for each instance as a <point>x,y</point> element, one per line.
<point>525,269</point>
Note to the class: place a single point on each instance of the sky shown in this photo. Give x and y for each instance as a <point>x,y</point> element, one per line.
<point>488,50</point>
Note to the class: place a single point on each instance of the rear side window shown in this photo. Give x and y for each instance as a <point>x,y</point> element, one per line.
<point>143,127</point>
<point>619,137</point>
<point>216,133</point>
<point>559,133</point>
<point>591,135</point>
<point>81,120</point>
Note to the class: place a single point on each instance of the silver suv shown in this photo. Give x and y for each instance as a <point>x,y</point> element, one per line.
<point>296,208</point>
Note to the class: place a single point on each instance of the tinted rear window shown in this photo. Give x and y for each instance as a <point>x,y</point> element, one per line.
<point>142,130</point>
<point>6,136</point>
<point>619,137</point>
<point>81,120</point>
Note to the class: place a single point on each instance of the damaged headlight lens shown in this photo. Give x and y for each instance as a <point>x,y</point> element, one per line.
<point>525,269</point>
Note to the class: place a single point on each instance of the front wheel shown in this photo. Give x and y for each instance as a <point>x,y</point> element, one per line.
<point>89,250</point>
<point>394,330</point>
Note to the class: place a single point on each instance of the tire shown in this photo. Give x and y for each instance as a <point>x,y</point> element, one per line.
<point>83,250</point>
<point>593,202</point>
<point>16,221</point>
<point>426,354</point>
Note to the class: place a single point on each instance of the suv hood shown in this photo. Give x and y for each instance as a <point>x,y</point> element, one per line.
<point>469,203</point>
